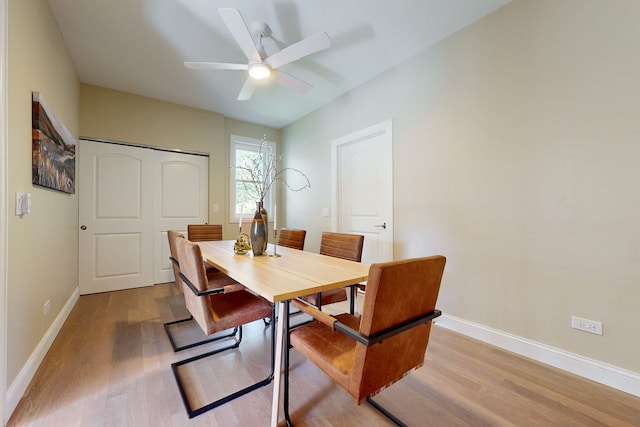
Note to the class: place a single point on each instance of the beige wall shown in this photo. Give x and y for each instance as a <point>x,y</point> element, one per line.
<point>119,116</point>
<point>516,155</point>
<point>43,245</point>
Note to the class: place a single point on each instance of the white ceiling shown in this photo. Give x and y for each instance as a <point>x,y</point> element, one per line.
<point>139,46</point>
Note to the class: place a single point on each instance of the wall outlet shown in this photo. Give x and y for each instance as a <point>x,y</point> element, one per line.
<point>586,325</point>
<point>46,307</point>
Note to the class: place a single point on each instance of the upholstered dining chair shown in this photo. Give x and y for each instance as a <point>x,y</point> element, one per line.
<point>292,238</point>
<point>364,354</point>
<point>216,310</point>
<point>204,232</point>
<point>215,279</point>
<point>339,245</point>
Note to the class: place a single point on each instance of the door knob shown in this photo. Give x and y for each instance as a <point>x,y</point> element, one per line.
<point>83,227</point>
<point>383,225</point>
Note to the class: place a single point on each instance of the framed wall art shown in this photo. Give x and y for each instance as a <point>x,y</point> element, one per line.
<point>53,153</point>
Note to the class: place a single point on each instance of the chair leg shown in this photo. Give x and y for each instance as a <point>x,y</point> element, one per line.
<point>176,348</point>
<point>195,412</point>
<point>386,413</point>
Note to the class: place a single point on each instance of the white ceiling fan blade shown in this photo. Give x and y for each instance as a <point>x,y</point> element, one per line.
<point>240,32</point>
<point>311,44</point>
<point>215,66</point>
<point>290,81</point>
<point>247,89</point>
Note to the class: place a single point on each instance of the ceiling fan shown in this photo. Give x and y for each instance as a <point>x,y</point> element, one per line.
<point>261,66</point>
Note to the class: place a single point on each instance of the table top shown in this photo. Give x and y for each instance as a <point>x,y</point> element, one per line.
<point>295,273</point>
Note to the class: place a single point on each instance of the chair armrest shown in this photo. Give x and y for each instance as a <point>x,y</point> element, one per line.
<point>334,324</point>
<point>197,292</point>
<point>313,311</point>
<point>387,333</point>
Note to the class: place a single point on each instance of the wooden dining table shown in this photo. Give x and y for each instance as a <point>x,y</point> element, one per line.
<point>278,279</point>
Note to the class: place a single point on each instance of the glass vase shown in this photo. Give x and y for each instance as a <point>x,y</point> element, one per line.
<point>259,230</point>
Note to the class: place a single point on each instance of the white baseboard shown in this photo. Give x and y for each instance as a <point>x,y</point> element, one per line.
<point>20,384</point>
<point>594,370</point>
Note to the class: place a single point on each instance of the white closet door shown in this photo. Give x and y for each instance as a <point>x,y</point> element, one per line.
<point>115,191</point>
<point>129,197</point>
<point>181,198</point>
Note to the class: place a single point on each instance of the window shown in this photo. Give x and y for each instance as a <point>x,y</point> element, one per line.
<point>248,157</point>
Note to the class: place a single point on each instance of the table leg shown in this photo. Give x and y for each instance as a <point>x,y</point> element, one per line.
<point>277,378</point>
<point>351,299</point>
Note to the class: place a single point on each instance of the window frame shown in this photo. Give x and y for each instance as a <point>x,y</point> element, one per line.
<point>252,144</point>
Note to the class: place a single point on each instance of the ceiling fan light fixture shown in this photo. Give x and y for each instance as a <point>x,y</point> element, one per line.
<point>259,71</point>
<point>260,65</point>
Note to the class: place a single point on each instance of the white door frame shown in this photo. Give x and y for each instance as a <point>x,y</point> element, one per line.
<point>384,128</point>
<point>4,177</point>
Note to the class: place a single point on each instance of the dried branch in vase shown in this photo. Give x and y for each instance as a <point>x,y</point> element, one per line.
<point>263,172</point>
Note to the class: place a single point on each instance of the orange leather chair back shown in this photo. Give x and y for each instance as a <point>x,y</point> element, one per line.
<point>342,245</point>
<point>397,292</point>
<point>292,238</point>
<point>172,235</point>
<point>204,232</point>
<point>192,267</point>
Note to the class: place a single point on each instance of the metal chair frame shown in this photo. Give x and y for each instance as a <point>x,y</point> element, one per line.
<point>167,327</point>
<point>191,412</point>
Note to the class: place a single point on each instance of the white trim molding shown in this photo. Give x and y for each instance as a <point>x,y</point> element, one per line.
<point>594,370</point>
<point>20,384</point>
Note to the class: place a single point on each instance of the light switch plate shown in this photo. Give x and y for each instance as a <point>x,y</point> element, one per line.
<point>23,203</point>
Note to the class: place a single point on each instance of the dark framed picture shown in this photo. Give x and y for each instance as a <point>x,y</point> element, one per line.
<point>53,156</point>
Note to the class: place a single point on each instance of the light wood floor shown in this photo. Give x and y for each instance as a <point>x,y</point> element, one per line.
<point>110,366</point>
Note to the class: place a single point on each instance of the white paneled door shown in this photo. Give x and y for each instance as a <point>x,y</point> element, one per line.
<point>181,198</point>
<point>363,189</point>
<point>129,196</point>
<point>115,191</point>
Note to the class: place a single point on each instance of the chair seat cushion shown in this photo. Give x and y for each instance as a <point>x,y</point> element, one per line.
<point>331,351</point>
<point>236,308</point>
